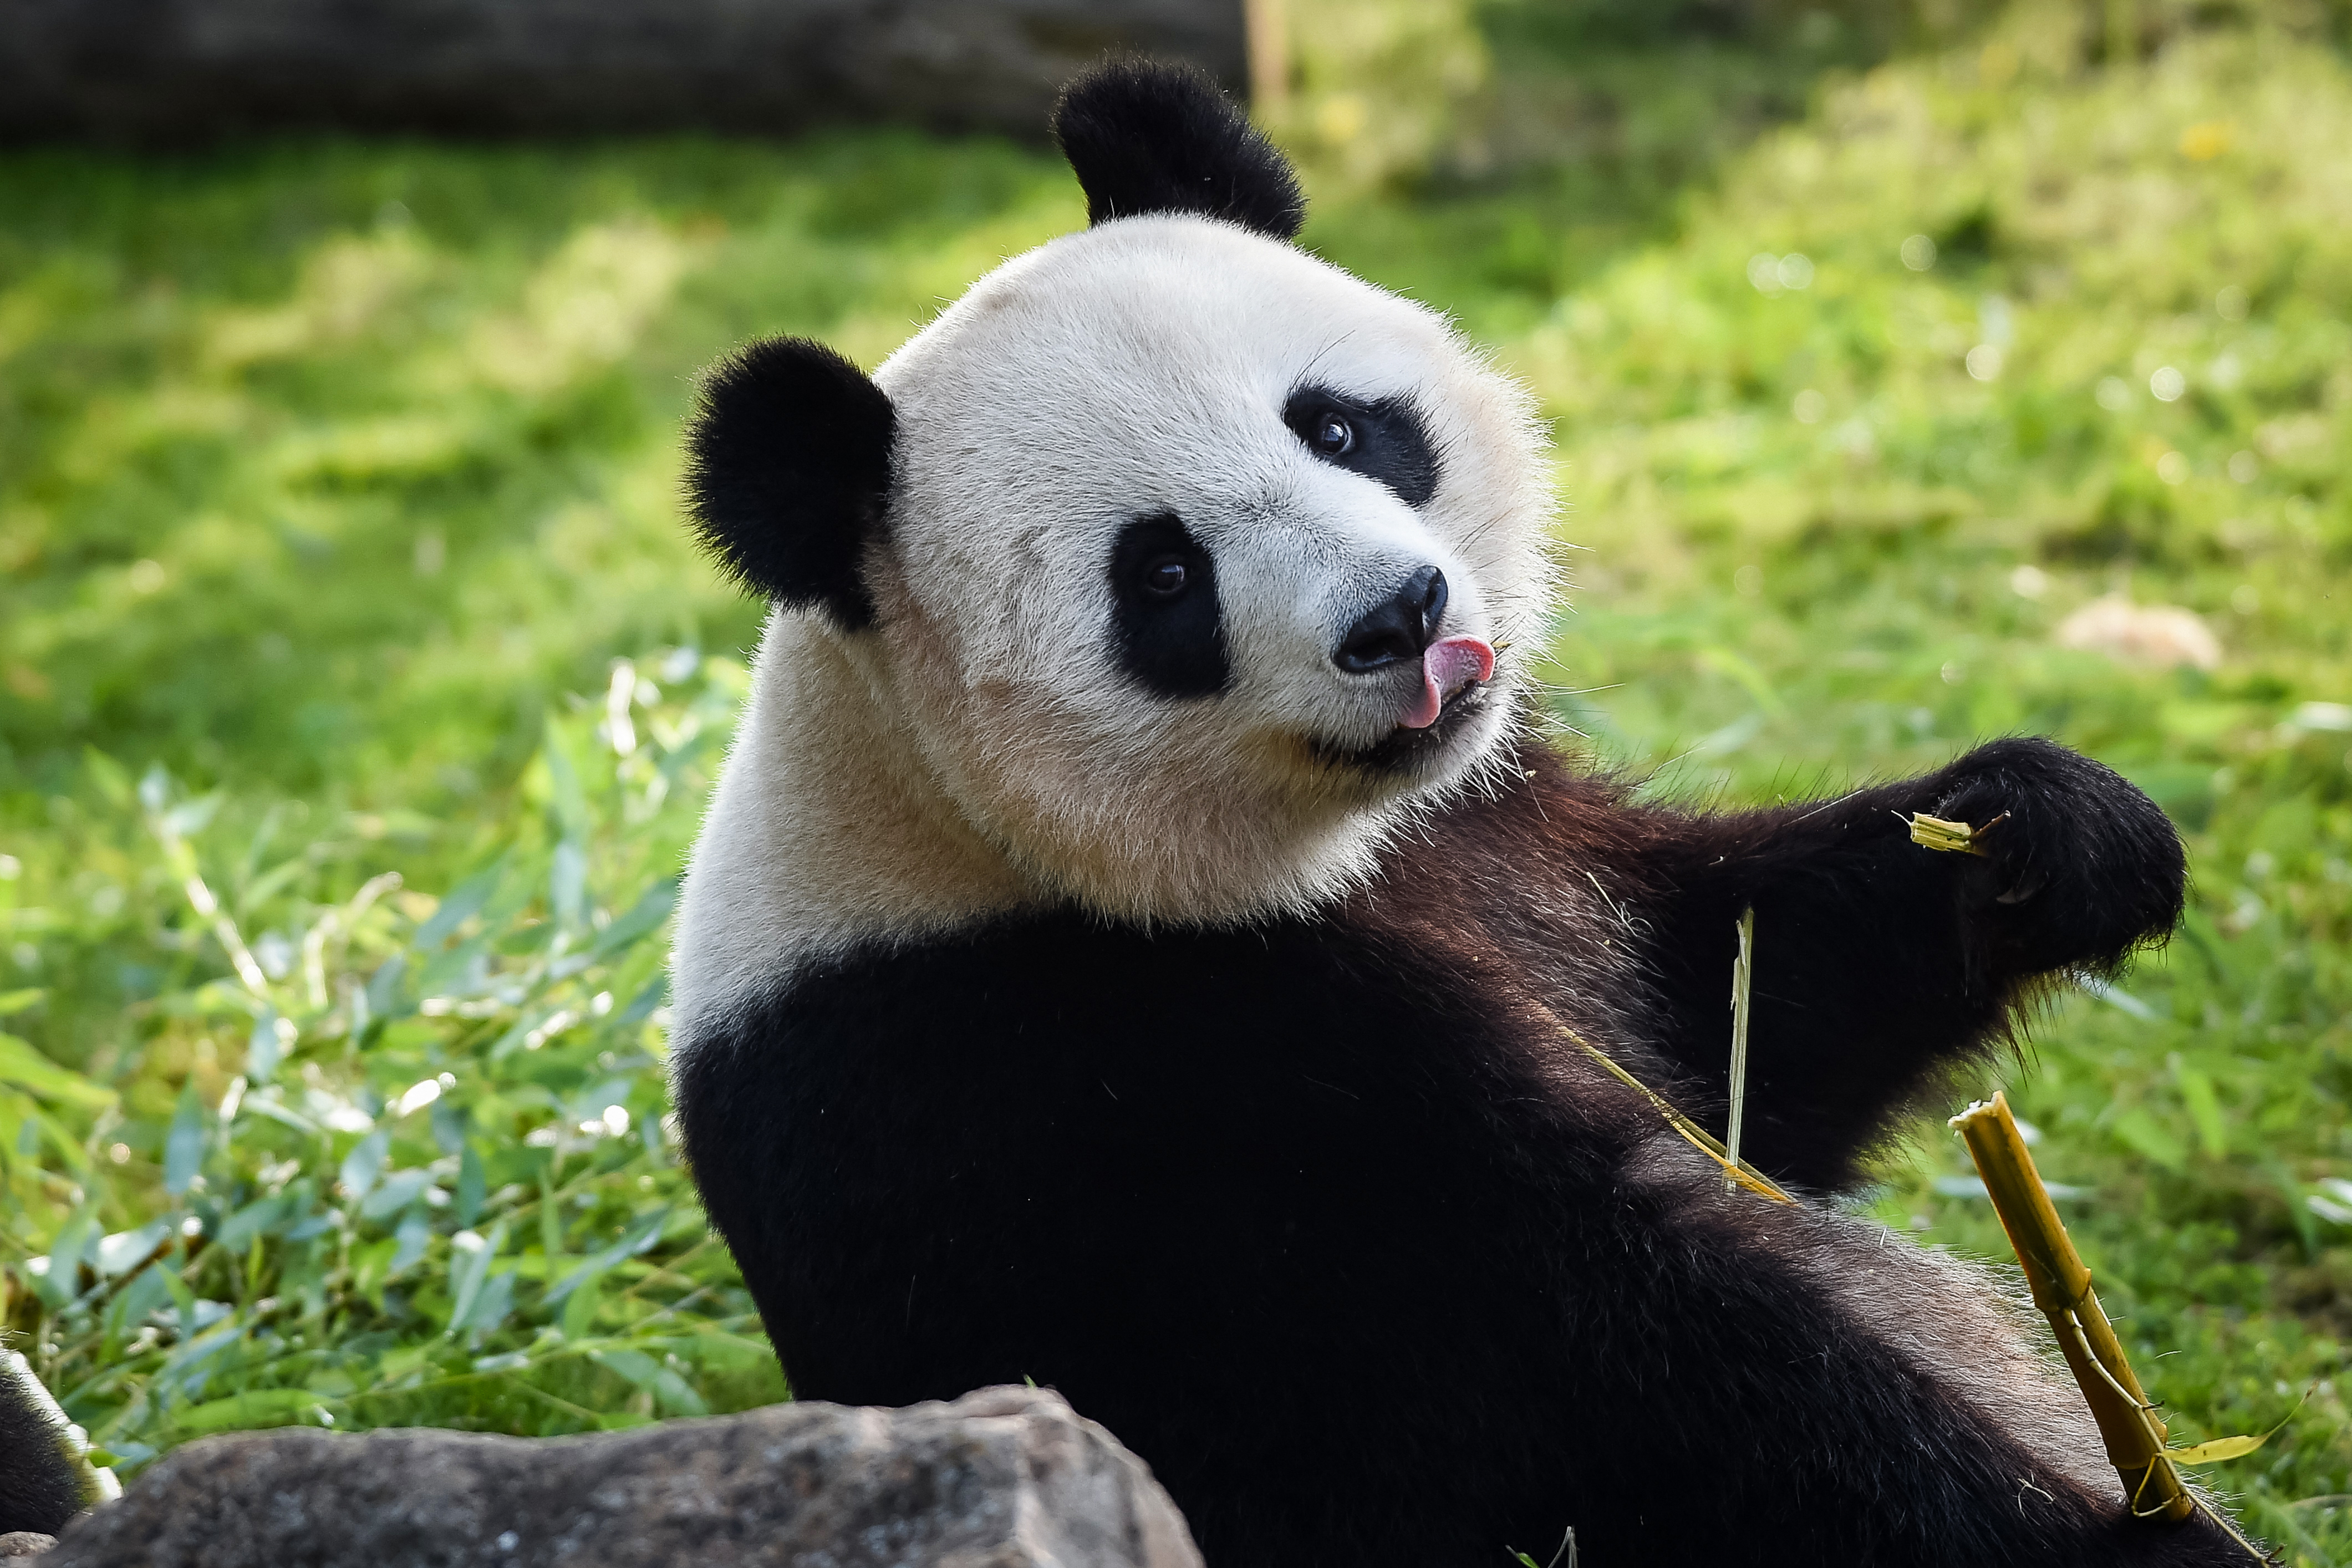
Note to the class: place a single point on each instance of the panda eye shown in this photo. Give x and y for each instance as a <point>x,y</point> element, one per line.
<point>1334,436</point>
<point>1166,576</point>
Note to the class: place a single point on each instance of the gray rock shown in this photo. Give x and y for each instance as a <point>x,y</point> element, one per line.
<point>26,1543</point>
<point>168,71</point>
<point>1000,1478</point>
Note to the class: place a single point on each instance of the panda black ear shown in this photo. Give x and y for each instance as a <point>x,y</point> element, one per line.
<point>1150,137</point>
<point>788,472</point>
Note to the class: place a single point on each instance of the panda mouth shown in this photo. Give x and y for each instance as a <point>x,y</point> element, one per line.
<point>1406,750</point>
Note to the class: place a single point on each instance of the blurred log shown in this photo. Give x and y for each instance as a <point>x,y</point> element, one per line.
<point>172,71</point>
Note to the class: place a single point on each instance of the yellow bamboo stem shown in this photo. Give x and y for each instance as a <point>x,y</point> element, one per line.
<point>2132,1434</point>
<point>1691,1132</point>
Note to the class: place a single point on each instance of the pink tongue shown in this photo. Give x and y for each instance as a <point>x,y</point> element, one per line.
<point>1448,667</point>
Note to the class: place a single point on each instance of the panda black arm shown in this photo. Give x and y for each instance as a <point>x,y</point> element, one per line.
<point>1878,961</point>
<point>39,1490</point>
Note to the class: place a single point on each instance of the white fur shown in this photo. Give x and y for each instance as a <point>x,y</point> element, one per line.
<point>979,750</point>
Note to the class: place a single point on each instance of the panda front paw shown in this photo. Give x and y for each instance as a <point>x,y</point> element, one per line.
<point>2081,867</point>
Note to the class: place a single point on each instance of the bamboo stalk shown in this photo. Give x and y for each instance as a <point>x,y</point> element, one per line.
<point>2130,1429</point>
<point>1952,838</point>
<point>1691,1132</point>
<point>1743,969</point>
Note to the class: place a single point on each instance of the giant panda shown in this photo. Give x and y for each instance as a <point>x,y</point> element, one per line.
<point>1139,944</point>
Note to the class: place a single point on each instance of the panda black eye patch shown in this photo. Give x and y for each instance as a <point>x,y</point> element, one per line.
<point>1381,439</point>
<point>1168,628</point>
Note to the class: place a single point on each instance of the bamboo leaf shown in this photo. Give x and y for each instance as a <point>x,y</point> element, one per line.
<point>255,1407</point>
<point>640,1237</point>
<point>567,884</point>
<point>472,1186</point>
<point>2139,1129</point>
<point>365,1162</point>
<point>1743,670</point>
<point>62,1139</point>
<point>396,1192</point>
<point>2213,1452</point>
<point>464,900</point>
<point>262,1217</point>
<point>469,1271</point>
<point>125,1249</point>
<point>387,997</point>
<point>131,1304</point>
<point>669,1390</point>
<point>565,795</point>
<point>642,1005</point>
<point>644,915</point>
<point>2220,1448</point>
<point>28,1068</point>
<point>2204,1108</point>
<point>184,1145</point>
<point>262,1047</point>
<point>492,1306</point>
<point>414,1235</point>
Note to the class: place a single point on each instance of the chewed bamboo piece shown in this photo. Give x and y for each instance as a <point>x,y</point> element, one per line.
<point>1953,837</point>
<point>2129,1427</point>
<point>2128,1424</point>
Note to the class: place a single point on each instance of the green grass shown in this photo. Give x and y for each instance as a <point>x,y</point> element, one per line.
<point>335,479</point>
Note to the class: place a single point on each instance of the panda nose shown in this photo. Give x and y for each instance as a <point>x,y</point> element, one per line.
<point>1396,630</point>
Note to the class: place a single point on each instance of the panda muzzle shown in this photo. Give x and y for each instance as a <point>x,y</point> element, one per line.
<point>1447,665</point>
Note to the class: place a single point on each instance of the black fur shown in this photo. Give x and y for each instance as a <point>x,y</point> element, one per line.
<point>1399,628</point>
<point>38,1489</point>
<point>1171,643</point>
<point>1320,1217</point>
<point>1145,137</point>
<point>1388,440</point>
<point>2080,869</point>
<point>788,473</point>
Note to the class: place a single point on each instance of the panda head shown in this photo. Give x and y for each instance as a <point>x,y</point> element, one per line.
<point>1182,564</point>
